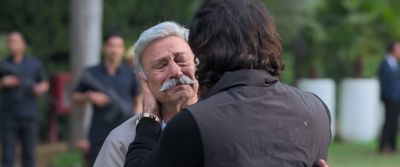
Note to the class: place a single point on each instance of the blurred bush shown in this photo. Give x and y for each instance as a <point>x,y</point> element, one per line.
<point>345,38</point>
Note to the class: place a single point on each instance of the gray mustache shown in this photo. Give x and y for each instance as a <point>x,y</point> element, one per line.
<point>172,83</point>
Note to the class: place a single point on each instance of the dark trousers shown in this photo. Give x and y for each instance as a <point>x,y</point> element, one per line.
<point>389,131</point>
<point>94,150</point>
<point>26,132</point>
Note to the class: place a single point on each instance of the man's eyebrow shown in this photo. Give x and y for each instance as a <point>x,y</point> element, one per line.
<point>165,58</point>
<point>179,53</point>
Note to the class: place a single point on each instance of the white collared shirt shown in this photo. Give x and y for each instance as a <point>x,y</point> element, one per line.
<point>163,124</point>
<point>391,60</point>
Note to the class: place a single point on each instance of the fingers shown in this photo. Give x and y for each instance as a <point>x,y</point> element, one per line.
<point>149,102</point>
<point>322,163</point>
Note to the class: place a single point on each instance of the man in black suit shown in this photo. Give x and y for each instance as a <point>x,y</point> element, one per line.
<point>389,79</point>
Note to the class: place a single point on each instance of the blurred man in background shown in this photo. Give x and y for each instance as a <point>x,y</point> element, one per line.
<point>111,87</point>
<point>389,79</point>
<point>22,80</point>
<point>130,57</point>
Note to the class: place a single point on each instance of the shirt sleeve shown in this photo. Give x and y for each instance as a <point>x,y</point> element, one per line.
<point>179,144</point>
<point>41,74</point>
<point>81,86</point>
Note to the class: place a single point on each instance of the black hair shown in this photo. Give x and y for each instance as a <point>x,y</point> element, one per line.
<point>111,35</point>
<point>229,35</point>
<point>391,46</point>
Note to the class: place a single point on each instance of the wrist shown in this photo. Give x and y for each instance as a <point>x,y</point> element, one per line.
<point>148,115</point>
<point>87,96</point>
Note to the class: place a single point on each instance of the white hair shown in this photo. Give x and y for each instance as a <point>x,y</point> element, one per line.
<point>161,30</point>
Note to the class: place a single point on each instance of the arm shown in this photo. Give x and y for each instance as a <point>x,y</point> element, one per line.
<point>322,163</point>
<point>41,85</point>
<point>41,88</point>
<point>385,81</point>
<point>83,93</point>
<point>99,99</point>
<point>179,145</point>
<point>9,81</point>
<point>79,98</point>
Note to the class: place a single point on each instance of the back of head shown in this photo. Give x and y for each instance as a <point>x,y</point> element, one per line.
<point>229,35</point>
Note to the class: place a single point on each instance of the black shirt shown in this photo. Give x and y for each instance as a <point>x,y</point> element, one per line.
<point>17,102</point>
<point>124,83</point>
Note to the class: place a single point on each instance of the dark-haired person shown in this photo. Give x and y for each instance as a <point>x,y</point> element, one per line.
<point>389,79</point>
<point>246,117</point>
<point>116,77</point>
<point>22,79</point>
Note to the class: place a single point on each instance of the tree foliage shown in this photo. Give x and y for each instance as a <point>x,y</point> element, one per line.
<point>346,38</point>
<point>45,23</point>
<point>318,35</point>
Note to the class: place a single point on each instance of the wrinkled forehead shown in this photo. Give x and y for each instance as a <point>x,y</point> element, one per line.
<point>166,47</point>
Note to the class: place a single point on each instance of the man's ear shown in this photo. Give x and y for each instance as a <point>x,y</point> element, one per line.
<point>142,75</point>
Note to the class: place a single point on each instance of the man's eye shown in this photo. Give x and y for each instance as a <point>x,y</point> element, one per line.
<point>160,66</point>
<point>180,61</point>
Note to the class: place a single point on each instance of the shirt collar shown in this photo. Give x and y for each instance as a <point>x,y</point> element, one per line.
<point>391,60</point>
<point>163,124</point>
<point>103,67</point>
<point>11,59</point>
<point>247,77</point>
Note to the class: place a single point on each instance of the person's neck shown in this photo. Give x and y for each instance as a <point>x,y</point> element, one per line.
<point>169,111</point>
<point>112,66</point>
<point>18,58</point>
<point>391,55</point>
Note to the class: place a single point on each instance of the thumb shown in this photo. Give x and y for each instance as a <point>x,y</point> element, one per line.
<point>322,163</point>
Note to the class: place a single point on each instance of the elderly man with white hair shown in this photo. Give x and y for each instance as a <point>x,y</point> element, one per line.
<point>166,63</point>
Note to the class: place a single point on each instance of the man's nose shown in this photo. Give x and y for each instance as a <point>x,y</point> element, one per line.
<point>175,70</point>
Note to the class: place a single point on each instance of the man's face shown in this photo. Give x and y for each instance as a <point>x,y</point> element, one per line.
<point>396,51</point>
<point>165,59</point>
<point>114,48</point>
<point>16,43</point>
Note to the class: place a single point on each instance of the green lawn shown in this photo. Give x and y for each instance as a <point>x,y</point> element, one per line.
<point>340,155</point>
<point>360,155</point>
